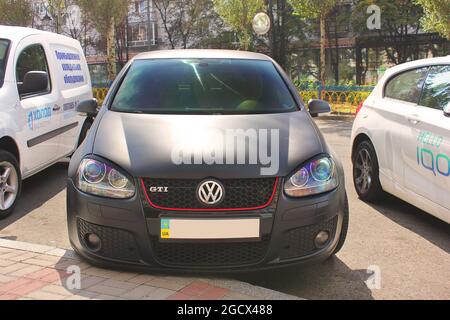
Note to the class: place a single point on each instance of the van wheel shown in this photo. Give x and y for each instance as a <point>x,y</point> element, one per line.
<point>85,131</point>
<point>366,172</point>
<point>10,183</point>
<point>344,231</point>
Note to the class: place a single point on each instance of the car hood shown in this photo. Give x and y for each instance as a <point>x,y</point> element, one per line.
<point>166,146</point>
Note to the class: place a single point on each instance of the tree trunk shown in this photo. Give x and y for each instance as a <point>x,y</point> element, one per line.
<point>111,51</point>
<point>323,40</point>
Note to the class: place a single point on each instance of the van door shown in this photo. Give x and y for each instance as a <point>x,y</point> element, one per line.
<point>433,140</point>
<point>36,110</point>
<point>72,76</point>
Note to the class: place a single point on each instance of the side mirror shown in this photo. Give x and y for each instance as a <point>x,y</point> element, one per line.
<point>447,110</point>
<point>88,107</point>
<point>317,107</point>
<point>34,82</point>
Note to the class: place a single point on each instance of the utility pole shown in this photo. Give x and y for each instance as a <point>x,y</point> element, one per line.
<point>127,35</point>
<point>149,25</point>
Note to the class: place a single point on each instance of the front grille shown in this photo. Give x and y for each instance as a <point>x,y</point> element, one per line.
<point>209,254</point>
<point>239,193</point>
<point>116,243</point>
<point>300,242</point>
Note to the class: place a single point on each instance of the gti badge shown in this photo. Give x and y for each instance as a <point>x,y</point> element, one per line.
<point>159,189</point>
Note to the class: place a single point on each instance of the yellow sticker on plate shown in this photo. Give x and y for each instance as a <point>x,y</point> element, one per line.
<point>165,229</point>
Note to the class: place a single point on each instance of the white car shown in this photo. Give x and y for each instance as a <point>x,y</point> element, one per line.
<point>43,76</point>
<point>401,137</point>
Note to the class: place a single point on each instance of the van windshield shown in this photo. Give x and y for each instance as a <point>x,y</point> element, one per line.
<point>203,86</point>
<point>4,45</point>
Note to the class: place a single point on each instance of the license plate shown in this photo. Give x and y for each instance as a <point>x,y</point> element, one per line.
<point>210,229</point>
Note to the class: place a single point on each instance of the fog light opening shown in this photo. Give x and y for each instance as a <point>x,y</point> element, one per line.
<point>93,242</point>
<point>322,239</point>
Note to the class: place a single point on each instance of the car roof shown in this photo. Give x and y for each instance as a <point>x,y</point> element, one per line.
<point>202,54</point>
<point>417,64</point>
<point>18,33</point>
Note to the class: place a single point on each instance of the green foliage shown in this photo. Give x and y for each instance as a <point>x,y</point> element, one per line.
<point>238,15</point>
<point>16,12</point>
<point>437,16</point>
<point>312,9</point>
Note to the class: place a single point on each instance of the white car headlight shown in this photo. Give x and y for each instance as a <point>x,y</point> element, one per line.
<point>98,178</point>
<point>318,176</point>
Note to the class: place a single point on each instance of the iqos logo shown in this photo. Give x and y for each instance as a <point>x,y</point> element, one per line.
<point>435,161</point>
<point>438,163</point>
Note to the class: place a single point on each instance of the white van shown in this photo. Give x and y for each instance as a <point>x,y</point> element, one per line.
<point>43,76</point>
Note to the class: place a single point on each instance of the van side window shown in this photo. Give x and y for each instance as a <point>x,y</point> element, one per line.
<point>31,59</point>
<point>407,86</point>
<point>436,92</point>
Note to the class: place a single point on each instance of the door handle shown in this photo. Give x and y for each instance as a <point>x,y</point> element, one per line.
<point>56,108</point>
<point>414,119</point>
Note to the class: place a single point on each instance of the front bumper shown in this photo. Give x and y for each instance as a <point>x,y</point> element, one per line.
<point>129,230</point>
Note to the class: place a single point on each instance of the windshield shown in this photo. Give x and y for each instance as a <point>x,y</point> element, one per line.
<point>4,45</point>
<point>203,86</point>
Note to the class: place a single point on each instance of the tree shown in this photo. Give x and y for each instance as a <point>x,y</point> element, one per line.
<point>287,33</point>
<point>313,9</point>
<point>238,15</point>
<point>105,15</point>
<point>16,12</point>
<point>437,16</point>
<point>184,20</point>
<point>400,22</point>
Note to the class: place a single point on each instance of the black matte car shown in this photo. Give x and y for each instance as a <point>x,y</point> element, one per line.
<point>205,160</point>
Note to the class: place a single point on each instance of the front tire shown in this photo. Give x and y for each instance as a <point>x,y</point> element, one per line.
<point>10,183</point>
<point>366,172</point>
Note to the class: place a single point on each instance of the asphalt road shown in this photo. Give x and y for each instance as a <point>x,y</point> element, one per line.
<point>410,249</point>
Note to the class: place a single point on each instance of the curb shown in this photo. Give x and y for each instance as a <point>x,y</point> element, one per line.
<point>331,116</point>
<point>243,289</point>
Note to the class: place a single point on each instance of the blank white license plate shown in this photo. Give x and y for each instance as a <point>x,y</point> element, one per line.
<point>210,229</point>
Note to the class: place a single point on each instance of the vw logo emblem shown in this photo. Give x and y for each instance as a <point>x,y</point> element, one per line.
<point>211,192</point>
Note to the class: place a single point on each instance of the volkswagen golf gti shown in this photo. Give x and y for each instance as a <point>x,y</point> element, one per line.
<point>205,160</point>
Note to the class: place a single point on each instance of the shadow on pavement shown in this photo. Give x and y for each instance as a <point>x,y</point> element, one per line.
<point>329,280</point>
<point>415,220</point>
<point>53,180</point>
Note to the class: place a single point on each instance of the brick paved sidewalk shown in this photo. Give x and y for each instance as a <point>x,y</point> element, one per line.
<point>29,271</point>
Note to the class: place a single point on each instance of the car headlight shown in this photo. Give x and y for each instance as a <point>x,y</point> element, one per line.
<point>318,176</point>
<point>98,178</point>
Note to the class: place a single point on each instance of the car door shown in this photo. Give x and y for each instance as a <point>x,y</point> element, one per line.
<point>401,95</point>
<point>36,110</point>
<point>432,136</point>
<point>72,76</point>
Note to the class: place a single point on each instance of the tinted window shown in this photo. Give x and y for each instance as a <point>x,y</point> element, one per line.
<point>4,44</point>
<point>31,59</point>
<point>407,86</point>
<point>436,92</point>
<point>203,86</point>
